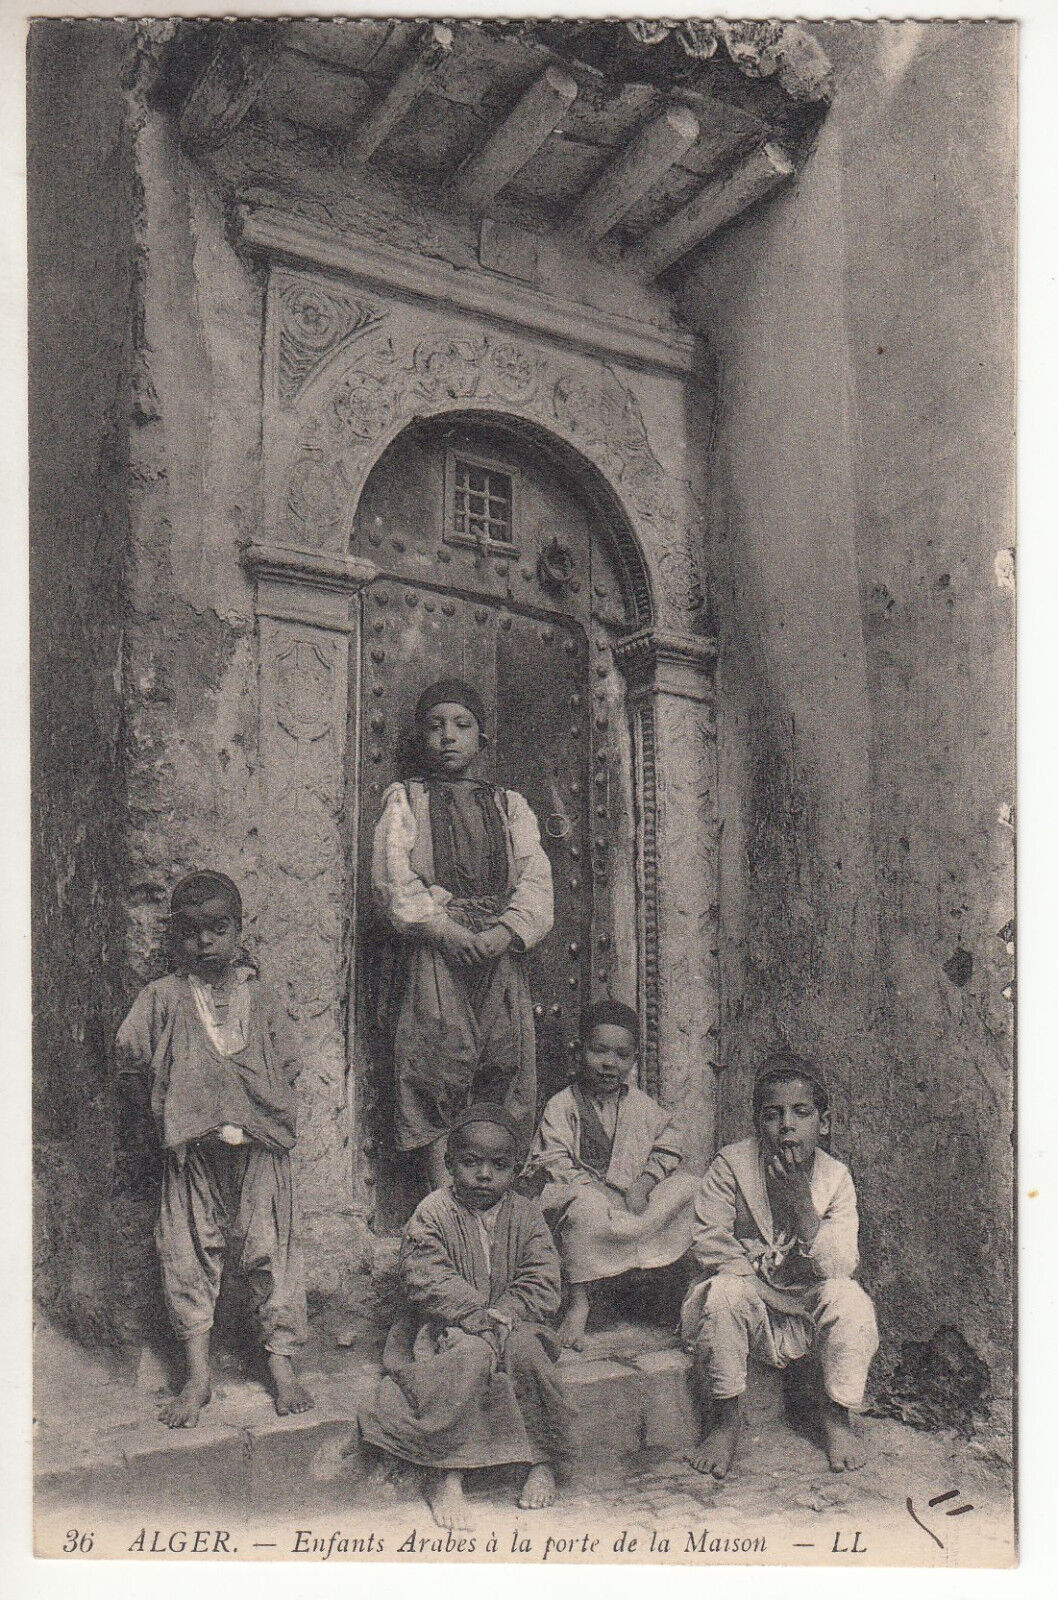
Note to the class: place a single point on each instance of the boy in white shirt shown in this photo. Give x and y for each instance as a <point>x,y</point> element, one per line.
<point>776,1237</point>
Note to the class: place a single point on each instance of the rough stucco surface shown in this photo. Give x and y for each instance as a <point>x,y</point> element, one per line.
<point>864,325</point>
<point>81,263</point>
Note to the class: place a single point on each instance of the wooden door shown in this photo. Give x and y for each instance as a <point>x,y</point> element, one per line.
<point>530,673</point>
<point>525,604</point>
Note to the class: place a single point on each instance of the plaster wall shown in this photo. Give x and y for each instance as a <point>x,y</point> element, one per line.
<point>860,530</point>
<point>81,262</point>
<point>191,383</point>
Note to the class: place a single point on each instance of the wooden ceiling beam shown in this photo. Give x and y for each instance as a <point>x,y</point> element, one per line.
<point>514,140</point>
<point>714,206</point>
<point>645,160</point>
<point>233,79</point>
<point>433,48</point>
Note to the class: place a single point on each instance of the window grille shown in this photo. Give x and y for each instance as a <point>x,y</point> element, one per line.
<point>481,504</point>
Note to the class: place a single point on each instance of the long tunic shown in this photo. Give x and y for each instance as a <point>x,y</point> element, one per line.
<point>735,1232</point>
<point>469,852</point>
<point>223,1098</point>
<point>745,1251</point>
<point>446,1399</point>
<point>583,1196</point>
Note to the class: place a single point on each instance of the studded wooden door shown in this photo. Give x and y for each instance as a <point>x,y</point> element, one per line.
<point>519,623</point>
<point>530,674</point>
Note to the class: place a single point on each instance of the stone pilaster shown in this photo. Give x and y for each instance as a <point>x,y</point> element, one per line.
<point>670,691</point>
<point>307,617</point>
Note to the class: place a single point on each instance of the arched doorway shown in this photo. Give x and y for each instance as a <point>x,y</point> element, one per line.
<point>501,563</point>
<point>359,478</point>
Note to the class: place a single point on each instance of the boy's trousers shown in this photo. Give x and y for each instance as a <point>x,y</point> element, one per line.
<point>839,1327</point>
<point>236,1202</point>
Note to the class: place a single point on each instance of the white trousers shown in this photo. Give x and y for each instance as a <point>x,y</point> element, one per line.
<point>839,1328</point>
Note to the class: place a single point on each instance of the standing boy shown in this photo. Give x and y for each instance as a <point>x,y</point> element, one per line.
<point>469,1374</point>
<point>776,1236</point>
<point>610,1154</point>
<point>462,879</point>
<point>208,1038</point>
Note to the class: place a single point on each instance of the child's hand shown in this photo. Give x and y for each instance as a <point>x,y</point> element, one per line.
<point>457,943</point>
<point>792,1176</point>
<point>482,1326</point>
<point>493,942</point>
<point>637,1196</point>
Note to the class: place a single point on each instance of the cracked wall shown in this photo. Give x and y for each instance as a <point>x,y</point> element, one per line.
<point>861,533</point>
<point>81,265</point>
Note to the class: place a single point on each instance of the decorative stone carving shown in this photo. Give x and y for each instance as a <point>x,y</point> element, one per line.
<point>687,981</point>
<point>449,367</point>
<point>514,371</point>
<point>305,635</point>
<point>314,318</point>
<point>667,663</point>
<point>602,414</point>
<point>318,491</point>
<point>670,692</point>
<point>361,405</point>
<point>350,413</point>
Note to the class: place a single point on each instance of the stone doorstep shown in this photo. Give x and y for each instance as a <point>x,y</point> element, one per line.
<point>242,1454</point>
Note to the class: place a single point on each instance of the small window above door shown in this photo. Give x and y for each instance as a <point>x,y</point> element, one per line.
<point>480,504</point>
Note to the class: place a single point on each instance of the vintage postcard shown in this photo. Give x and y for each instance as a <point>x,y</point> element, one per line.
<point>521,564</point>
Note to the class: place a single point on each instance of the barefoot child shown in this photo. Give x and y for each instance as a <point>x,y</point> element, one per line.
<point>207,1038</point>
<point>613,1195</point>
<point>460,875</point>
<point>777,1235</point>
<point>469,1378</point>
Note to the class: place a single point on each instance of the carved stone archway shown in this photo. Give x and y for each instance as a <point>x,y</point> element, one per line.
<point>345,373</point>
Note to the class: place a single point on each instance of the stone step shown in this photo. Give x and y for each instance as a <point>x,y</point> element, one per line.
<point>241,1454</point>
<point>628,1398</point>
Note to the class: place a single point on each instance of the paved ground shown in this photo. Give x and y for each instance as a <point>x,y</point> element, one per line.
<point>103,1459</point>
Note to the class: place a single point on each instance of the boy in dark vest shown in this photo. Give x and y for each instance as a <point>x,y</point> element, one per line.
<point>461,877</point>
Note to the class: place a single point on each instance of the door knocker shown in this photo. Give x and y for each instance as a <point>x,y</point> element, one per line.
<point>555,567</point>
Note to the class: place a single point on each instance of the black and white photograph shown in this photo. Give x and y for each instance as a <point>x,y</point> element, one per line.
<point>521,576</point>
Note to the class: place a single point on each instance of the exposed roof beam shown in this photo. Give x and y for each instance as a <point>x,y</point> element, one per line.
<point>235,76</point>
<point>657,146</point>
<point>514,140</point>
<point>432,49</point>
<point>718,203</point>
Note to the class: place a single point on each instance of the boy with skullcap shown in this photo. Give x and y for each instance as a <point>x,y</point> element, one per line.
<point>208,1041</point>
<point>776,1238</point>
<point>462,879</point>
<point>469,1372</point>
<point>610,1157</point>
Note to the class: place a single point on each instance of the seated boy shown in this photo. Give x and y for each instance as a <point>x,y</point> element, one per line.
<point>777,1237</point>
<point>208,1039</point>
<point>469,1376</point>
<point>610,1155</point>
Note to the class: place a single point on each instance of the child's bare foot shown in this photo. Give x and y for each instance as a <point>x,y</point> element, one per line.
<point>571,1329</point>
<point>182,1410</point>
<point>717,1450</point>
<point>288,1392</point>
<point>539,1489</point>
<point>845,1451</point>
<point>444,1496</point>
